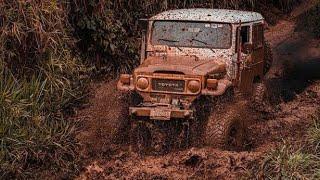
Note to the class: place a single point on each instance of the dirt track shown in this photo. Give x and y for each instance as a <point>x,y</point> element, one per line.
<point>296,98</point>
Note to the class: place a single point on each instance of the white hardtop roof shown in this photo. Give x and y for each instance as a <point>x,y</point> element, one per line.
<point>209,15</point>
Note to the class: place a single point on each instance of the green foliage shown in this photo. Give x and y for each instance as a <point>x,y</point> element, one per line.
<point>108,32</point>
<point>39,80</point>
<point>33,135</point>
<point>103,40</point>
<point>32,32</point>
<point>286,162</point>
<point>314,134</point>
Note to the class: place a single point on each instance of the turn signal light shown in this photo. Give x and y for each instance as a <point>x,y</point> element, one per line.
<point>125,78</point>
<point>212,83</point>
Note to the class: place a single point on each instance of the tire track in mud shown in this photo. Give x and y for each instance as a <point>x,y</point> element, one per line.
<point>295,98</point>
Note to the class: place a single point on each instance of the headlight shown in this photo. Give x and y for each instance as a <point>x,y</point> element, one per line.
<point>212,83</point>
<point>125,79</point>
<point>194,86</point>
<point>142,83</point>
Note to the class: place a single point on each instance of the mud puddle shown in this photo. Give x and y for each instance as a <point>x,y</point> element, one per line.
<point>294,90</point>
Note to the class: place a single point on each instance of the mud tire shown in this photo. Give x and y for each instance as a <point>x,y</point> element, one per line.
<point>259,95</point>
<point>226,129</point>
<point>268,57</point>
<point>120,126</point>
<point>148,138</point>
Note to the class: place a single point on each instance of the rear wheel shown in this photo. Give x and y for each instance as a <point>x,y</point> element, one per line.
<point>259,94</point>
<point>268,57</point>
<point>260,101</point>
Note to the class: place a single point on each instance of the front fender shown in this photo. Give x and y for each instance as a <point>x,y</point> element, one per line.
<point>125,87</point>
<point>223,85</point>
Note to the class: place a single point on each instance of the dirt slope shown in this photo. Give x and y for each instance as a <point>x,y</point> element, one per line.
<point>296,97</point>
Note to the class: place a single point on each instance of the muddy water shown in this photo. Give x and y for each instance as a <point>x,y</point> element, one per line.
<point>294,89</point>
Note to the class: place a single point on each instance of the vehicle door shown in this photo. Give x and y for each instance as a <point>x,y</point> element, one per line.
<point>246,73</point>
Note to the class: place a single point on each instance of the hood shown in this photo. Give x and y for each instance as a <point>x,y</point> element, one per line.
<point>185,64</point>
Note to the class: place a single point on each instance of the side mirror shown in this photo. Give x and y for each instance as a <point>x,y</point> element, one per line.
<point>266,25</point>
<point>247,48</point>
<point>143,24</point>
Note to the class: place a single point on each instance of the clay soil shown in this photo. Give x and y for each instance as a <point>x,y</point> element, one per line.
<point>294,88</point>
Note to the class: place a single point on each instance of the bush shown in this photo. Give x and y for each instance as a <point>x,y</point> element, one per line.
<point>109,36</point>
<point>103,41</point>
<point>310,21</point>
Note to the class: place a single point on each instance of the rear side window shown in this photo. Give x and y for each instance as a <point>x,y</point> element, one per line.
<point>258,35</point>
<point>245,34</point>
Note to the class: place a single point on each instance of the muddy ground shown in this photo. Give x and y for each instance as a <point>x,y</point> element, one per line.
<point>295,92</point>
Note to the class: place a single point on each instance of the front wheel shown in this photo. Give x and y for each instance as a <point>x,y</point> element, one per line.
<point>228,134</point>
<point>226,128</point>
<point>148,138</point>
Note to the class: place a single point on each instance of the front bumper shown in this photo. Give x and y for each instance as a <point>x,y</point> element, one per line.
<point>160,113</point>
<point>222,86</point>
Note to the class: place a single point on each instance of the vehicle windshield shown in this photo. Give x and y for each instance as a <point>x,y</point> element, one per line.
<point>192,34</point>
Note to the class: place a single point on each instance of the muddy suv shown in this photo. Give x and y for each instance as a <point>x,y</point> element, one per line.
<point>189,59</point>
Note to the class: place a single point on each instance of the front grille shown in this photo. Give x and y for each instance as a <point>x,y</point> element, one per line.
<point>168,85</point>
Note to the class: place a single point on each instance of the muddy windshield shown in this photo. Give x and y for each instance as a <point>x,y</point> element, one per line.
<point>192,34</point>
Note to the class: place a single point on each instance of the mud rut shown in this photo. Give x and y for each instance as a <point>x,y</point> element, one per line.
<point>294,91</point>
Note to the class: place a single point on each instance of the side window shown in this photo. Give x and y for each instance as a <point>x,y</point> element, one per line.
<point>245,34</point>
<point>258,36</point>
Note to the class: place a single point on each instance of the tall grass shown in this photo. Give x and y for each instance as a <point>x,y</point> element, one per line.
<point>299,161</point>
<point>40,79</point>
<point>33,136</point>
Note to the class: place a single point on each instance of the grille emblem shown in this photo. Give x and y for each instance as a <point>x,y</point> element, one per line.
<point>168,85</point>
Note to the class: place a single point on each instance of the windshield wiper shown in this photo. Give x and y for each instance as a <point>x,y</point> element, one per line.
<point>168,40</point>
<point>193,39</point>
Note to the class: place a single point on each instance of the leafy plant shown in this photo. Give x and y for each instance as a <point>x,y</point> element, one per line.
<point>103,41</point>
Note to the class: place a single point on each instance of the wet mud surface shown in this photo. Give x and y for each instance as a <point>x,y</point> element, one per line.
<point>294,90</point>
